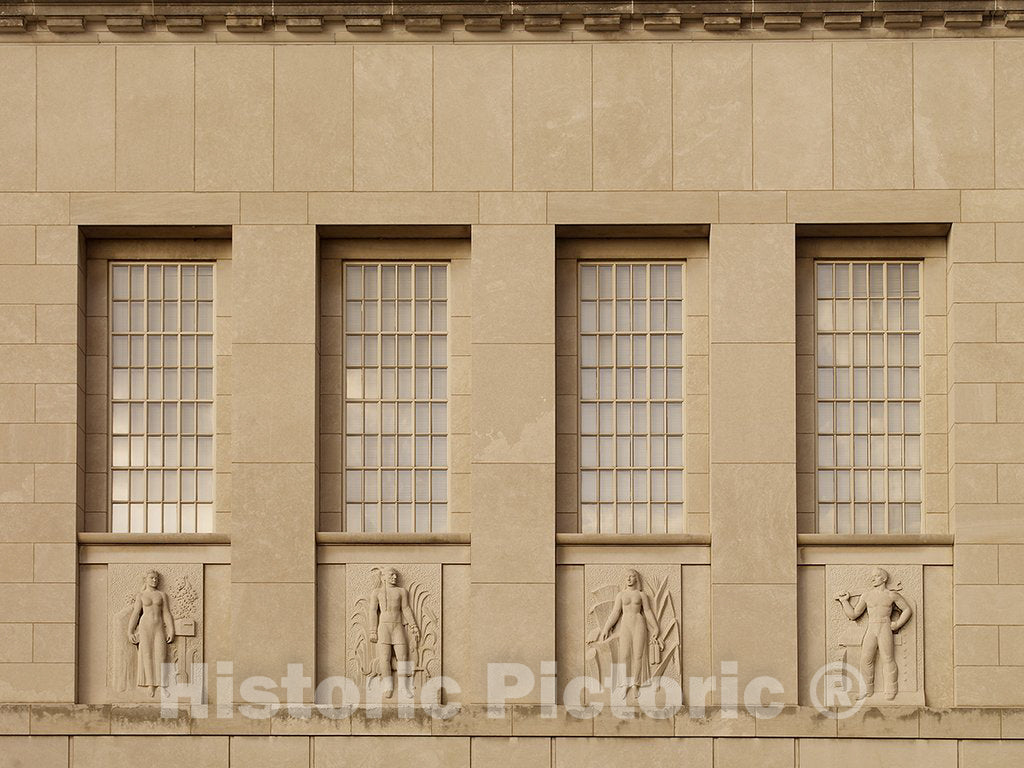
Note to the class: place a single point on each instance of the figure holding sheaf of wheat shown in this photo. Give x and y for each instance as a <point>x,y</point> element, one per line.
<point>637,638</point>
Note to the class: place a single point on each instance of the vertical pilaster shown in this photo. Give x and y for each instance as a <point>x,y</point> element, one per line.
<point>42,375</point>
<point>986,454</point>
<point>274,365</point>
<point>513,469</point>
<point>753,452</point>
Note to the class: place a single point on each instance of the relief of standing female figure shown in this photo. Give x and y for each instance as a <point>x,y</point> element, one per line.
<point>151,627</point>
<point>634,628</point>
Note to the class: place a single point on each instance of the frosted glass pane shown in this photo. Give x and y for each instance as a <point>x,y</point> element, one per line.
<point>911,279</point>
<point>404,281</point>
<point>823,278</point>
<point>422,281</point>
<point>824,316</point>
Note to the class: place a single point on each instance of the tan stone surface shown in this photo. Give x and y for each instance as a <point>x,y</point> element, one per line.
<point>153,208</point>
<point>55,562</point>
<point>155,118</point>
<point>15,643</point>
<point>971,402</point>
<point>18,123</point>
<point>881,752</point>
<point>507,547</point>
<point>500,613</point>
<point>632,207</point>
<point>993,205</point>
<point>989,604</point>
<point>1009,242</point>
<point>868,207</point>
<point>513,284</point>
<point>268,425</point>
<point>953,115</point>
<point>608,752</point>
<point>156,751</point>
<point>939,646</point>
<point>332,624</point>
<point>742,427</point>
<point>313,117</point>
<point>632,92</point>
<point>552,117</point>
<point>769,753</point>
<point>990,754</point>
<point>752,207</point>
<point>712,146</point>
<point>1011,563</point>
<point>271,751</point>
<point>988,686</point>
<point>513,207</point>
<point>393,208</point>
<point>753,520</point>
<point>472,148</point>
<point>746,260</point>
<point>33,208</point>
<point>75,118</point>
<point>37,522</point>
<point>17,245</point>
<point>696,622</point>
<point>976,646</point>
<point>234,140</point>
<point>513,423</point>
<point>1001,282</point>
<point>569,629</point>
<point>792,91</point>
<point>511,753</point>
<point>35,751</point>
<point>873,115</point>
<point>266,309</point>
<point>274,516</point>
<point>772,608</point>
<point>291,610</point>
<point>382,752</point>
<point>37,682</point>
<point>811,645</point>
<point>456,624</point>
<point>1011,645</point>
<point>393,117</point>
<point>960,722</point>
<point>273,207</point>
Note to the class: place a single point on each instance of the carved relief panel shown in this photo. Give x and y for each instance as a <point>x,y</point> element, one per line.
<point>632,625</point>
<point>393,625</point>
<point>155,618</point>
<point>874,624</point>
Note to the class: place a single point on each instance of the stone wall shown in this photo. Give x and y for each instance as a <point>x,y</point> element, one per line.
<point>512,154</point>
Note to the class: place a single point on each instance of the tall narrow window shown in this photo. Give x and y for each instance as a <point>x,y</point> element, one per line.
<point>396,397</point>
<point>161,394</point>
<point>631,397</point>
<point>868,392</point>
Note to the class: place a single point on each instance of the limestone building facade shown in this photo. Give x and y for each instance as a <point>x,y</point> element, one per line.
<point>541,384</point>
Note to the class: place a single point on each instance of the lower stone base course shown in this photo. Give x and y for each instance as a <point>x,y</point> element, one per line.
<point>498,752</point>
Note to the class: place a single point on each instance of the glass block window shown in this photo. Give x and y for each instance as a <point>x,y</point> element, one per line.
<point>396,397</point>
<point>868,322</point>
<point>161,397</point>
<point>631,397</point>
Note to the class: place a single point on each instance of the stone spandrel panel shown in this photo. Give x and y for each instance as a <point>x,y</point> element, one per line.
<point>847,639</point>
<point>624,639</point>
<point>127,661</point>
<point>422,585</point>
